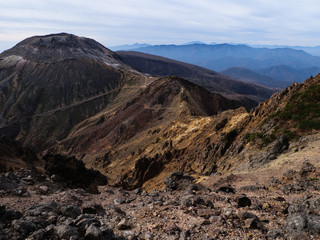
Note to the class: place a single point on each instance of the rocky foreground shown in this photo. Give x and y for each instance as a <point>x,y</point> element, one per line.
<point>35,206</point>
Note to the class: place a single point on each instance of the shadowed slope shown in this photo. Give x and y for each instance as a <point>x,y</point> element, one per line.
<point>211,80</point>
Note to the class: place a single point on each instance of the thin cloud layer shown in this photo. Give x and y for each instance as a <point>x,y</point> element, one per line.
<point>115,22</point>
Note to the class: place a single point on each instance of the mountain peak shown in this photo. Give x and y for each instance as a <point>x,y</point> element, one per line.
<point>61,46</point>
<point>59,40</point>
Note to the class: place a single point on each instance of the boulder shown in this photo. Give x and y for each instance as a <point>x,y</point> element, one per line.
<point>67,232</point>
<point>124,224</point>
<point>306,168</point>
<point>280,145</point>
<point>93,233</point>
<point>92,208</point>
<point>70,211</point>
<point>178,181</point>
<point>72,172</point>
<point>242,201</point>
<point>227,189</point>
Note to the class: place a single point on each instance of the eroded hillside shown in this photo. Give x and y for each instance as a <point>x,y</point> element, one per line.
<point>180,135</point>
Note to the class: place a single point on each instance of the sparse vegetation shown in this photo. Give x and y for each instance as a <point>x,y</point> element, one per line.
<point>221,124</point>
<point>266,138</point>
<point>313,179</point>
<point>288,133</point>
<point>304,109</point>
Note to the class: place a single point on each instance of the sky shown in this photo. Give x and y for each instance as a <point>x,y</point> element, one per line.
<point>118,22</point>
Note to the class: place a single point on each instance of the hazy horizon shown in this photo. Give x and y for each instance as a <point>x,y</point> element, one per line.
<point>114,23</point>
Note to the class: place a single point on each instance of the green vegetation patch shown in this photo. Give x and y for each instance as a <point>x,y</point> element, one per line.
<point>304,108</point>
<point>266,138</point>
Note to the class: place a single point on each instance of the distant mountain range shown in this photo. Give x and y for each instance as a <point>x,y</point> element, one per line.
<point>247,75</point>
<point>129,46</point>
<point>315,51</point>
<point>222,56</point>
<point>289,74</point>
<point>280,63</point>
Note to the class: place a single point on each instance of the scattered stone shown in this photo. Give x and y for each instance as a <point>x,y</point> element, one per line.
<point>108,190</point>
<point>83,221</point>
<point>289,175</point>
<point>315,205</point>
<point>252,188</point>
<point>215,219</point>
<point>228,212</point>
<point>43,190</point>
<point>93,233</point>
<point>281,144</point>
<point>12,176</point>
<point>246,215</point>
<point>11,215</point>
<point>119,201</point>
<point>119,210</point>
<point>276,233</point>
<point>7,183</point>
<point>306,168</point>
<point>253,223</point>
<point>39,234</point>
<point>172,229</point>
<point>24,227</point>
<point>227,189</point>
<point>242,201</point>
<point>314,223</point>
<point>148,236</point>
<point>20,191</point>
<point>91,208</point>
<point>191,200</point>
<point>280,199</point>
<point>124,224</point>
<point>184,235</point>
<point>93,189</point>
<point>67,232</point>
<point>297,222</point>
<point>28,180</point>
<point>70,211</point>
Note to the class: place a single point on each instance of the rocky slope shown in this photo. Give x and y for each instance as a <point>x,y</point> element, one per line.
<point>250,206</point>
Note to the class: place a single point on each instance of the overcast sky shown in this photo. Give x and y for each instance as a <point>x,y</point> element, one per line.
<point>117,22</point>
